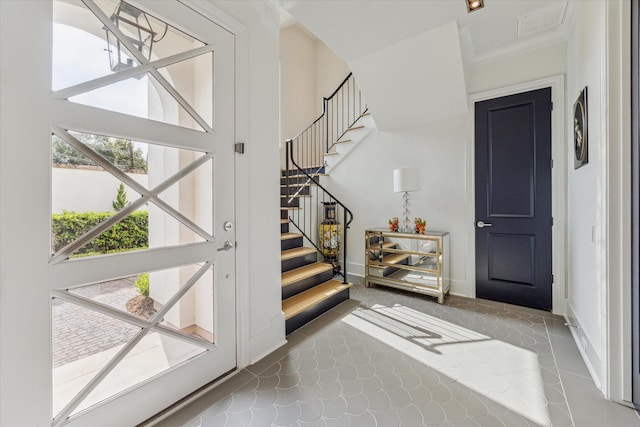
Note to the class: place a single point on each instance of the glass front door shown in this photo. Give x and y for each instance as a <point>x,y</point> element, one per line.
<point>142,267</point>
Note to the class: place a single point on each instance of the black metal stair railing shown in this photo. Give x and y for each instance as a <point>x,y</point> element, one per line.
<point>340,112</point>
<point>308,202</point>
<point>306,199</point>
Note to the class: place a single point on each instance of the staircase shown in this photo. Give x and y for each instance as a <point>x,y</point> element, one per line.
<point>313,223</point>
<point>308,285</point>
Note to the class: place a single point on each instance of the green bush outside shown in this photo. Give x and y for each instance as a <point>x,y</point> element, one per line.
<point>130,233</point>
<point>143,284</point>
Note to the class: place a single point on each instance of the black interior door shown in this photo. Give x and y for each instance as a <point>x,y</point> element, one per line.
<point>513,199</point>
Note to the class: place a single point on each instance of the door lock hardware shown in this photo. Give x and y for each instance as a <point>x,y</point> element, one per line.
<point>482,224</point>
<point>227,247</point>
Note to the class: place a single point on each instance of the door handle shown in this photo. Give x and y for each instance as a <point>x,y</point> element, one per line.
<point>227,247</point>
<point>482,224</point>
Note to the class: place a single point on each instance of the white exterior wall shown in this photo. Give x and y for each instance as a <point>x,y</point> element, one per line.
<point>82,190</point>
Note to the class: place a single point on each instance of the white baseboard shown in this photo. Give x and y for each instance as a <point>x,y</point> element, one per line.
<point>268,340</point>
<point>585,347</point>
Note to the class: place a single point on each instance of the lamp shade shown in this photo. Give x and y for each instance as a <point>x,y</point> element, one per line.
<point>406,180</point>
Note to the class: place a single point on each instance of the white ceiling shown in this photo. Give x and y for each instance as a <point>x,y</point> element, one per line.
<point>355,28</point>
<point>410,58</point>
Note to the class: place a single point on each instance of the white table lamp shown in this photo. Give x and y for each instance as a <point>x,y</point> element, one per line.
<point>404,181</point>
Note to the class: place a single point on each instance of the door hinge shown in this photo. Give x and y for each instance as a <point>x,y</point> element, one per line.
<point>553,279</point>
<point>551,163</point>
<point>239,147</point>
<point>551,220</point>
<point>552,106</point>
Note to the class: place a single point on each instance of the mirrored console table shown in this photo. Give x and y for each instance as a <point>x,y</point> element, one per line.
<point>409,261</point>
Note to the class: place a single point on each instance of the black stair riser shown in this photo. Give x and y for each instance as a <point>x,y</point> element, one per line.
<point>290,243</point>
<point>290,264</point>
<point>284,214</point>
<point>284,201</point>
<point>307,170</point>
<point>305,284</point>
<point>312,312</point>
<point>296,189</point>
<point>298,180</point>
<point>284,228</point>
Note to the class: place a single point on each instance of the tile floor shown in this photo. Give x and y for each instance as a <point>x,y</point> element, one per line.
<point>389,358</point>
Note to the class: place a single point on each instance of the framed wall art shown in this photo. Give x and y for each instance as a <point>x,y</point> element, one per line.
<point>580,131</point>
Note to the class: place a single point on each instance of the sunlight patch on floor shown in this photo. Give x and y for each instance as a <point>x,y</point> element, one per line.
<point>507,374</point>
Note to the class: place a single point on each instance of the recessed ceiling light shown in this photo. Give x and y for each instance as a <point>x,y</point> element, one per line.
<point>473,5</point>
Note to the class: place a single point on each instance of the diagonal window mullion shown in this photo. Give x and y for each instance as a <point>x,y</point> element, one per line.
<point>128,73</point>
<point>127,317</point>
<point>147,195</point>
<point>94,84</point>
<point>181,218</point>
<point>158,317</point>
<point>99,229</point>
<point>78,398</point>
<point>180,174</point>
<point>144,61</point>
<point>106,164</point>
<point>189,339</point>
<point>169,88</point>
<point>101,308</point>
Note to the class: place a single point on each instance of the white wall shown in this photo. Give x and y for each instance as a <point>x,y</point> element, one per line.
<point>441,151</point>
<point>309,71</point>
<point>330,72</point>
<point>299,102</point>
<point>364,182</point>
<point>549,61</point>
<point>81,190</point>
<point>586,241</point>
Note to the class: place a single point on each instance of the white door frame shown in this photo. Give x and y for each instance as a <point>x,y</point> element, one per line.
<point>16,388</point>
<point>558,179</point>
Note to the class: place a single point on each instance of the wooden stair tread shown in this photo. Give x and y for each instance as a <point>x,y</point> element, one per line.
<point>334,153</point>
<point>304,176</point>
<point>290,208</point>
<point>295,185</point>
<point>287,236</point>
<point>395,258</point>
<point>292,276</point>
<point>365,114</point>
<point>284,221</point>
<point>344,140</point>
<point>307,167</point>
<point>284,196</point>
<point>355,128</point>
<point>300,302</point>
<point>296,252</point>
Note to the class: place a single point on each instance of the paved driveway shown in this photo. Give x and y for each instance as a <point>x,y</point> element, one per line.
<point>79,332</point>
